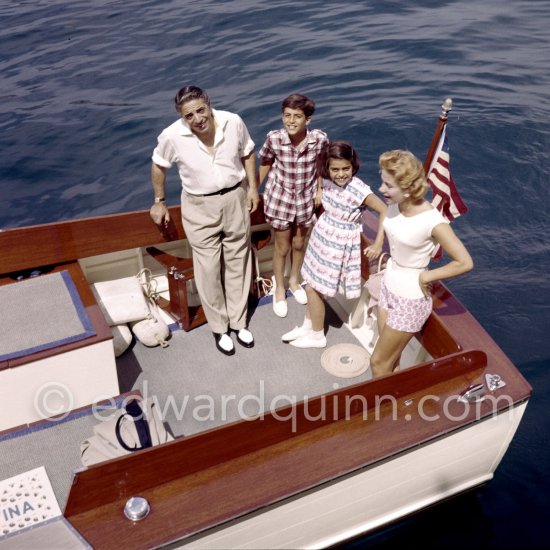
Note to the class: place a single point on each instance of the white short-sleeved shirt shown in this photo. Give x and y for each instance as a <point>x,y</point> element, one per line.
<point>411,248</point>
<point>200,172</point>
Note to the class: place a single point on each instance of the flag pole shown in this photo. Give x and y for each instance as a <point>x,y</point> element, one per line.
<point>446,109</point>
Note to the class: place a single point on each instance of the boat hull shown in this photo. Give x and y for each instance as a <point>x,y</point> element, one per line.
<point>375,496</point>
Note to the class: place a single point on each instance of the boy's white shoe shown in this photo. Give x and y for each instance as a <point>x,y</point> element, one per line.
<point>299,295</point>
<point>280,308</point>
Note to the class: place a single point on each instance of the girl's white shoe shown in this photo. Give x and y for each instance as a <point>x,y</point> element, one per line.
<point>295,333</point>
<point>310,340</point>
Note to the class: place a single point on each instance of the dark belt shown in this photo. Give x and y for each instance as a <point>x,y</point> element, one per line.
<point>222,191</point>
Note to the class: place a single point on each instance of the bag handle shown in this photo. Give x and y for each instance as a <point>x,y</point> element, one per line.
<point>381,259</point>
<point>148,284</point>
<point>263,286</point>
<point>134,411</point>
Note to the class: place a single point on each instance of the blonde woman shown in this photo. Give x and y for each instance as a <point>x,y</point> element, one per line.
<point>413,228</point>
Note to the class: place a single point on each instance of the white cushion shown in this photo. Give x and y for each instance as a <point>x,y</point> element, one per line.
<point>121,300</point>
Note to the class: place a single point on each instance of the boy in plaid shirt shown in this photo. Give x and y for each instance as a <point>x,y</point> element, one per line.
<point>293,189</point>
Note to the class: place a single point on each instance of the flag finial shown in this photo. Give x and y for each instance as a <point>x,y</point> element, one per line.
<point>446,107</point>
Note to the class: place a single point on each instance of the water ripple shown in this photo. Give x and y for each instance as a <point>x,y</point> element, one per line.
<point>87,87</point>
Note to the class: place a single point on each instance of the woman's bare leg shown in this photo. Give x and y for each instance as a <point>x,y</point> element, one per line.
<point>389,346</point>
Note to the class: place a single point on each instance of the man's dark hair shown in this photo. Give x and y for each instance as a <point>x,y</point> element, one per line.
<point>188,93</point>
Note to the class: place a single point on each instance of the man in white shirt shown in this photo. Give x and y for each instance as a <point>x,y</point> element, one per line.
<point>214,154</point>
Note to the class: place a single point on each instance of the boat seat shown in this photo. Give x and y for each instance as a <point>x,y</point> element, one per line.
<point>179,271</point>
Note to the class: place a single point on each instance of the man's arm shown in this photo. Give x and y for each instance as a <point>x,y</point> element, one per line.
<point>159,211</point>
<point>253,199</point>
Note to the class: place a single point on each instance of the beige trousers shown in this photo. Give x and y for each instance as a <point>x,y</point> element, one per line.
<point>218,230</point>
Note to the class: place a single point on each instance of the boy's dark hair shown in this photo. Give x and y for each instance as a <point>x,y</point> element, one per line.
<point>299,101</point>
<point>188,93</point>
<point>341,150</point>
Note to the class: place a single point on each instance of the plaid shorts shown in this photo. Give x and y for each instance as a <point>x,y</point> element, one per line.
<point>283,225</point>
<point>404,314</point>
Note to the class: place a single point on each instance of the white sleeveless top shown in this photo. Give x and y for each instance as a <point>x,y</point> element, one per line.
<point>411,248</point>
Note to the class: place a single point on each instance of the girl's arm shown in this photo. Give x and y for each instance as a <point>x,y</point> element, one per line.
<point>374,203</point>
<point>461,261</point>
<point>319,193</point>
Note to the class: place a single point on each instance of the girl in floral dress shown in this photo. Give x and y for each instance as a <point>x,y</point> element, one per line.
<point>332,263</point>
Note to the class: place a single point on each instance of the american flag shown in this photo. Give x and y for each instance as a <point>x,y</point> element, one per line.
<point>445,197</point>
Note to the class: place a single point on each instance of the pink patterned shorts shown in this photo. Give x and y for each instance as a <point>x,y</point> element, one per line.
<point>404,314</point>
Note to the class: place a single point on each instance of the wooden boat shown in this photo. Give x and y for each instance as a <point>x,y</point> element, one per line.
<point>310,474</point>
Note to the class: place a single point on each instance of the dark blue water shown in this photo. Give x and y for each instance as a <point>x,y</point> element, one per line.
<point>87,86</point>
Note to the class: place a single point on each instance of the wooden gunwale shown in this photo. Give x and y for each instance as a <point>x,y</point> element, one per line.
<point>50,244</point>
<point>59,242</point>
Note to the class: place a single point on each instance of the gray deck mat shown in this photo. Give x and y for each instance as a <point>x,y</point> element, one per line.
<point>198,388</point>
<point>41,313</point>
<point>190,379</point>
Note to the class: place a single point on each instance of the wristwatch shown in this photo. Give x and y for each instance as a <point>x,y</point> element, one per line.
<point>159,199</point>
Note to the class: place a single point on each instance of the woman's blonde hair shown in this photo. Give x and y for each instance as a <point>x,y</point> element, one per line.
<point>406,170</point>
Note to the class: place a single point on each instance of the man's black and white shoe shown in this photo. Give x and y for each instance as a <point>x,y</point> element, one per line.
<point>224,343</point>
<point>245,338</point>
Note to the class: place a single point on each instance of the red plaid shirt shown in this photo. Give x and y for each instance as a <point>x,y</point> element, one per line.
<point>291,185</point>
